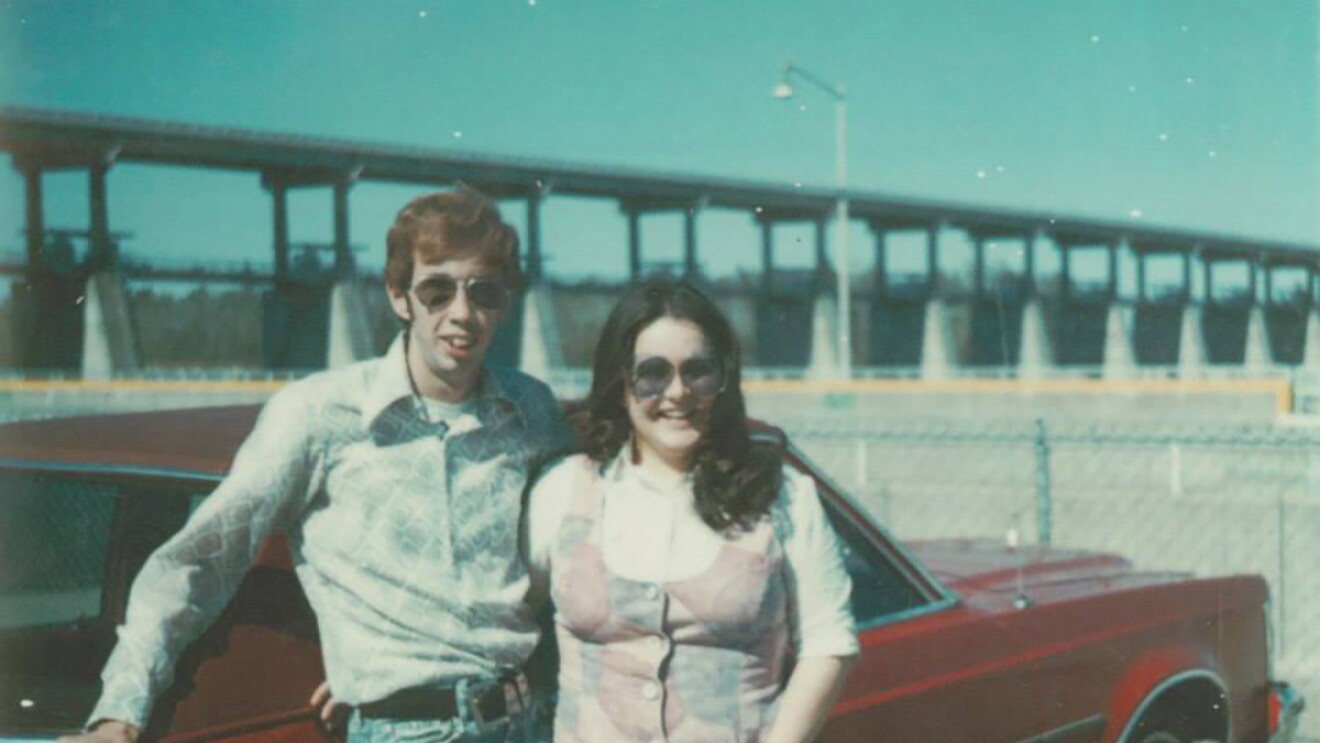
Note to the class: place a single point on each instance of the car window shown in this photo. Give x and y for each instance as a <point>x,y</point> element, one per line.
<point>54,540</point>
<point>879,590</point>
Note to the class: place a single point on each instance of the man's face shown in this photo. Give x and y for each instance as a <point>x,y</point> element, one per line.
<point>453,308</point>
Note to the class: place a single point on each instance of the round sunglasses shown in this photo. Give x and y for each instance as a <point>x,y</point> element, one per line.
<point>484,293</point>
<point>651,376</point>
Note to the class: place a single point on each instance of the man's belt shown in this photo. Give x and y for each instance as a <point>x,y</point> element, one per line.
<point>433,703</point>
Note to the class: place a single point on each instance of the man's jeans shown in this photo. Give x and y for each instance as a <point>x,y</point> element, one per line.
<point>528,721</point>
<point>453,730</point>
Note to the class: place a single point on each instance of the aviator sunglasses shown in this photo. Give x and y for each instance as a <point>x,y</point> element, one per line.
<point>651,376</point>
<point>484,293</point>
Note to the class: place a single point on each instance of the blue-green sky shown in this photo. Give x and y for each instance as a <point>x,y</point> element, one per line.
<point>1187,113</point>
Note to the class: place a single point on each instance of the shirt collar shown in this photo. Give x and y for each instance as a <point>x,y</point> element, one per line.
<point>622,469</point>
<point>391,387</point>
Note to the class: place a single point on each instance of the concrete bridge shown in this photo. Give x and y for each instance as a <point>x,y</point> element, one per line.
<point>74,314</point>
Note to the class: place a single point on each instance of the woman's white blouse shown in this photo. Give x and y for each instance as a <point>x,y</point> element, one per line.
<point>651,532</point>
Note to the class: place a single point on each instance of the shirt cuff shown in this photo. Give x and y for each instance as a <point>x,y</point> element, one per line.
<point>124,702</point>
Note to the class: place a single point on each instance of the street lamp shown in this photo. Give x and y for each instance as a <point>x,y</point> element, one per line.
<point>784,91</point>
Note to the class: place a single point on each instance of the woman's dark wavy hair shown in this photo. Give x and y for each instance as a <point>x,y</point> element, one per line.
<point>735,479</point>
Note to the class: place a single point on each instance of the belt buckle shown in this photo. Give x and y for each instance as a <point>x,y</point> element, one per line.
<point>472,692</point>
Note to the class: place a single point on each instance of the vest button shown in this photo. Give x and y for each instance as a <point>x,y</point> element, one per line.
<point>653,592</point>
<point>651,690</point>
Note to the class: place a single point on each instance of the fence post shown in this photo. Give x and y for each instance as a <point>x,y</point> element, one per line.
<point>1044,515</point>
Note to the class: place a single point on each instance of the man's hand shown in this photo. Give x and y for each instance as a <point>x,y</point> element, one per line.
<point>106,731</point>
<point>332,713</point>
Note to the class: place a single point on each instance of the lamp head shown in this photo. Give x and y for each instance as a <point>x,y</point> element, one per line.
<point>783,91</point>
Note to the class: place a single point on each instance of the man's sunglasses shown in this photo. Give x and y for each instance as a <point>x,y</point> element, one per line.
<point>484,293</point>
<point>651,376</point>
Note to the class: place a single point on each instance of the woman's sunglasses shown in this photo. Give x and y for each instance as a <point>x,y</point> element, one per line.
<point>436,292</point>
<point>651,376</point>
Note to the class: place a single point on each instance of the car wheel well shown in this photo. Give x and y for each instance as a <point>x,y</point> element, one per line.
<point>1192,710</point>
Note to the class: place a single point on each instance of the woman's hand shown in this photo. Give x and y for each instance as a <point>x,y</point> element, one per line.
<point>810,695</point>
<point>332,713</point>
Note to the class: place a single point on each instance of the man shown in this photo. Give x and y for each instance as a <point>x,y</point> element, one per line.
<point>399,482</point>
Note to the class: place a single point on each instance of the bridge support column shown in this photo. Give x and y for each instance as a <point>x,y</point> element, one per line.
<point>102,254</point>
<point>691,270</point>
<point>280,227</point>
<point>109,341</point>
<point>1036,357</point>
<point>824,362</point>
<point>1311,351</point>
<point>35,228</point>
<point>343,250</point>
<point>634,244</point>
<point>938,350</point>
<point>1311,339</point>
<point>348,338</point>
<point>541,350</point>
<point>1119,360</point>
<point>1256,356</point>
<point>1036,354</point>
<point>1191,343</point>
<point>871,342</point>
<point>535,259</point>
<point>824,359</point>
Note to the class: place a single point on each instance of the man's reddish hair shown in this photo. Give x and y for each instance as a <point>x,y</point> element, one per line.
<point>451,224</point>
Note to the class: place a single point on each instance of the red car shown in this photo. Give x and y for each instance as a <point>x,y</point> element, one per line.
<point>962,640</point>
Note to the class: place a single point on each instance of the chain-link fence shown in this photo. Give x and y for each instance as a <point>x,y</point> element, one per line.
<point>1207,500</point>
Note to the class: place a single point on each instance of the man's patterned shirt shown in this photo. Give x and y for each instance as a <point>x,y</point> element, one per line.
<point>404,534</point>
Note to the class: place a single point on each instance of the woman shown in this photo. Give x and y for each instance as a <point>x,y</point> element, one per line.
<point>699,591</point>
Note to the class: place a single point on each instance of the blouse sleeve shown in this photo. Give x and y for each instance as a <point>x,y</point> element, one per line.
<point>819,587</point>
<point>547,504</point>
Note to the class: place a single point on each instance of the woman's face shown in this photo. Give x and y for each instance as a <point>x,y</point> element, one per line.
<point>671,389</point>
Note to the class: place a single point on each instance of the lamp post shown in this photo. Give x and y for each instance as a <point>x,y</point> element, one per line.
<point>784,91</point>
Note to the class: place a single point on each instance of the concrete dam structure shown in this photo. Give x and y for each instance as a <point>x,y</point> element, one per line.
<point>77,306</point>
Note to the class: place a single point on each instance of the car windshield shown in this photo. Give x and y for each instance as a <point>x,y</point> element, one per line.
<point>54,541</point>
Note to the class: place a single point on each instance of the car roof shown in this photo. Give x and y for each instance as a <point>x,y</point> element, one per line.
<point>199,441</point>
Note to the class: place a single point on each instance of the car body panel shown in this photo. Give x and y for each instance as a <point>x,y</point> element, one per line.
<point>963,640</point>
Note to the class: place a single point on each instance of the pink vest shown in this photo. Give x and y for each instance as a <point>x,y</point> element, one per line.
<point>702,659</point>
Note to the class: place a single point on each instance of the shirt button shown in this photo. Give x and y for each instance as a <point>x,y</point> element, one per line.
<point>651,690</point>
<point>653,592</point>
